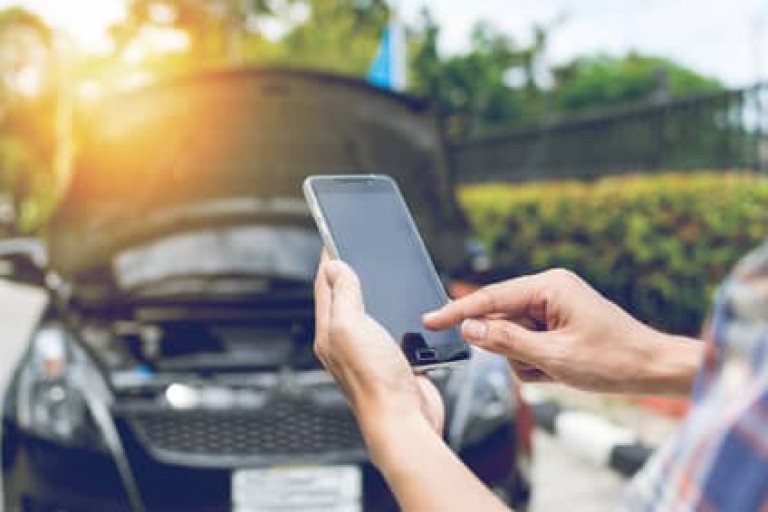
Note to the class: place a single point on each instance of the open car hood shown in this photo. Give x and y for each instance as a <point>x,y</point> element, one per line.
<point>234,147</point>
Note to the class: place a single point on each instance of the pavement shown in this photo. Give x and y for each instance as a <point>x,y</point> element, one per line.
<point>648,426</point>
<point>587,444</point>
<point>564,481</point>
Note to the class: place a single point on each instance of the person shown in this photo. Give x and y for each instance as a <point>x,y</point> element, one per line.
<point>554,326</point>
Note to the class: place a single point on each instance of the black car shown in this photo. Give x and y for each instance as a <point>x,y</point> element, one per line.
<point>173,368</point>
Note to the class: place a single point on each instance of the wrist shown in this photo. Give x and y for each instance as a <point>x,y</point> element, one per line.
<point>390,437</point>
<point>673,362</point>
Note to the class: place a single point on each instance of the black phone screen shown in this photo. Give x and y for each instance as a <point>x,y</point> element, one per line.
<point>373,232</point>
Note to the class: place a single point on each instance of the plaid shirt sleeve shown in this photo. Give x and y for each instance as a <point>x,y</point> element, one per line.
<point>718,461</point>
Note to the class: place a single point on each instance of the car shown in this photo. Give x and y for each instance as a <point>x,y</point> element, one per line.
<point>172,369</point>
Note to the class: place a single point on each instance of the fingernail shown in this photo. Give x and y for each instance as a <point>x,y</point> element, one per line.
<point>474,329</point>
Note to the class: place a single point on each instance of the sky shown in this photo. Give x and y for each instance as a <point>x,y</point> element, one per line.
<point>88,18</point>
<point>722,38</point>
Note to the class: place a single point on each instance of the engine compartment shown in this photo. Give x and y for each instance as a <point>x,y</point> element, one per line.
<point>202,346</point>
<point>165,354</point>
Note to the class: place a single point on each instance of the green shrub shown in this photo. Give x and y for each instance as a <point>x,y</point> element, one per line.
<point>657,245</point>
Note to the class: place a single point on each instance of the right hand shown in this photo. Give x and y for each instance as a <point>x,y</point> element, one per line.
<point>554,326</point>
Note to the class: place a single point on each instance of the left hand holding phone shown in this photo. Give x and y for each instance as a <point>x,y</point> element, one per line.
<point>364,359</point>
<point>400,414</point>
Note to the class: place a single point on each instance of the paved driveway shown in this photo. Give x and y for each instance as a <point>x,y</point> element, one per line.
<point>563,482</point>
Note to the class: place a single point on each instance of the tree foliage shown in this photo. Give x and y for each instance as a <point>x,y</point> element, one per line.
<point>336,35</point>
<point>215,28</point>
<point>495,83</point>
<point>596,82</point>
<point>474,90</point>
<point>28,113</point>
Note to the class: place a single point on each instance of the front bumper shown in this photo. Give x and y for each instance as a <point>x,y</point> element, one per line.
<point>43,476</point>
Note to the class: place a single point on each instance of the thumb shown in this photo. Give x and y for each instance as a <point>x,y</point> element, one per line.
<point>508,339</point>
<point>346,295</point>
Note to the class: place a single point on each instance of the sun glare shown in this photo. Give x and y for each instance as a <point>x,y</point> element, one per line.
<point>86,24</point>
<point>154,41</point>
<point>86,21</point>
<point>29,81</point>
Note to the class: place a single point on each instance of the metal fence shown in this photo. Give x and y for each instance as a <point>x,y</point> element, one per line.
<point>724,130</point>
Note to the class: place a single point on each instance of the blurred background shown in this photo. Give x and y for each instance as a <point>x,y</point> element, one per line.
<point>544,95</point>
<point>627,141</point>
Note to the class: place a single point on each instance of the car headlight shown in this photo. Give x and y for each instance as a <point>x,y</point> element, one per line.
<point>52,401</point>
<point>484,399</point>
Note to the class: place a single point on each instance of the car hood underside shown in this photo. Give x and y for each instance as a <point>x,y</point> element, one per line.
<point>233,147</point>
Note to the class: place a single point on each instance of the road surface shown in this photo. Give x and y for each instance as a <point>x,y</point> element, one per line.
<point>563,481</point>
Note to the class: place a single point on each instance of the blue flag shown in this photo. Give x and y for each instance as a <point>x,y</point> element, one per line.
<point>388,69</point>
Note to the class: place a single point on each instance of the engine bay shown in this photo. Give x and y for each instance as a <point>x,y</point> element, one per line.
<point>202,346</point>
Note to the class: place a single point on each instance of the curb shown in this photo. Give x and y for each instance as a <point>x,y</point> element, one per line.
<point>590,436</point>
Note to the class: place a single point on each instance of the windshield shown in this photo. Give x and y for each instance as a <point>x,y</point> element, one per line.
<point>285,252</point>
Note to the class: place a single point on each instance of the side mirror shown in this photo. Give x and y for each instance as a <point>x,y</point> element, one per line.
<point>23,261</point>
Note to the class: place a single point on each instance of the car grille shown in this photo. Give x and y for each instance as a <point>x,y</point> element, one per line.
<point>286,430</point>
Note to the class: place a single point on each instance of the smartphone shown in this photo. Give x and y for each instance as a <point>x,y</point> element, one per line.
<point>364,221</point>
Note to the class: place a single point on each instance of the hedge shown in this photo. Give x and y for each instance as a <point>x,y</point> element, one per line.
<point>657,245</point>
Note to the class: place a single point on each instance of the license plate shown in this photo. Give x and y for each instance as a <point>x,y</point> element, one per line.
<point>298,489</point>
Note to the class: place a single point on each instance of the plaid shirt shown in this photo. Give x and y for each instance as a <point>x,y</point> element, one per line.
<point>718,461</point>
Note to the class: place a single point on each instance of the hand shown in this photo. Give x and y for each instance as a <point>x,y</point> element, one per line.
<point>364,359</point>
<point>554,326</point>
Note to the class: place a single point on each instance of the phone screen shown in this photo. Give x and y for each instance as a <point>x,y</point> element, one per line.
<point>374,233</point>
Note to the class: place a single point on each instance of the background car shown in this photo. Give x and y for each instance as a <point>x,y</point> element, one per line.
<point>173,368</point>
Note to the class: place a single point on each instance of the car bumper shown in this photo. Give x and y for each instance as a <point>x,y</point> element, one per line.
<point>44,476</point>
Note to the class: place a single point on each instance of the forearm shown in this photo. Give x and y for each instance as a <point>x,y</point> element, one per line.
<point>422,472</point>
<point>671,365</point>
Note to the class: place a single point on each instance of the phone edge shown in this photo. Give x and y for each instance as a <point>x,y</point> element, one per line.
<point>318,217</point>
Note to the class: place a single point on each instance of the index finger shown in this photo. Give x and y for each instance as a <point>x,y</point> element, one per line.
<point>514,297</point>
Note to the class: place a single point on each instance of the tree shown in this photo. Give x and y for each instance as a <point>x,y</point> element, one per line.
<point>27,81</point>
<point>29,102</point>
<point>476,91</point>
<point>215,28</point>
<point>339,35</point>
<point>336,35</point>
<point>601,81</point>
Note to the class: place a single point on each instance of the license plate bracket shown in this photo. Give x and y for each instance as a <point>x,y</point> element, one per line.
<point>298,489</point>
